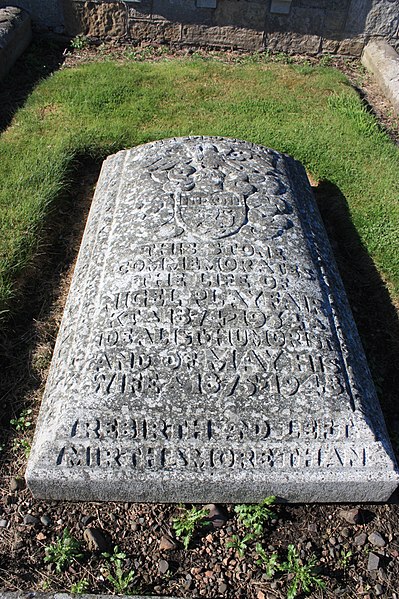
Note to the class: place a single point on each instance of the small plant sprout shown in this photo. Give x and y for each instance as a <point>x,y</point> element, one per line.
<point>120,580</point>
<point>23,422</point>
<point>268,562</point>
<point>80,587</point>
<point>63,552</point>
<point>186,523</point>
<point>239,544</point>
<point>79,42</point>
<point>345,558</point>
<point>21,444</point>
<point>254,516</point>
<point>21,425</point>
<point>303,576</point>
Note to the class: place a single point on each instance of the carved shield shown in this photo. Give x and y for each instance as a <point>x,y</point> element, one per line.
<point>214,215</point>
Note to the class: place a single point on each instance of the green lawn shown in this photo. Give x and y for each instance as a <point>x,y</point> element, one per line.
<point>94,110</point>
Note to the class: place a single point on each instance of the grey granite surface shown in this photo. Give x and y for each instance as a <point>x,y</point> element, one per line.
<point>383,61</point>
<point>15,36</point>
<point>207,351</point>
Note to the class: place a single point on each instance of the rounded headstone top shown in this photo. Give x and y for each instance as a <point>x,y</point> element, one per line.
<point>208,187</point>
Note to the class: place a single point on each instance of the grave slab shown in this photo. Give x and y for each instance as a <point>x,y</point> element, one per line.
<point>207,352</point>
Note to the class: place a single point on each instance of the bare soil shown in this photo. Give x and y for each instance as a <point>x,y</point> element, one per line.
<point>348,559</point>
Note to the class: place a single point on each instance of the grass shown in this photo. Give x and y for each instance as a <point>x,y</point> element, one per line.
<point>97,109</point>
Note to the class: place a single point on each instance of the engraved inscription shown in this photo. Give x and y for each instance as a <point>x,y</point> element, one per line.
<point>207,332</point>
<point>225,457</point>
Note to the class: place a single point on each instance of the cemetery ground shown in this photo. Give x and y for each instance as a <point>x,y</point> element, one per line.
<point>50,153</point>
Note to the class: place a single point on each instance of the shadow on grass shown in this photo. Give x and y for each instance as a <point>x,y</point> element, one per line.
<point>375,315</point>
<point>44,56</point>
<point>27,339</point>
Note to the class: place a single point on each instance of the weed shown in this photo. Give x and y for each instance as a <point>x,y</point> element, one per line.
<point>254,516</point>
<point>345,558</point>
<point>23,422</point>
<point>269,562</point>
<point>256,57</point>
<point>80,587</point>
<point>147,53</point>
<point>304,576</point>
<point>185,524</point>
<point>46,585</point>
<point>239,544</point>
<point>283,58</point>
<point>21,425</point>
<point>120,580</point>
<point>22,444</point>
<point>326,60</point>
<point>79,42</point>
<point>63,551</point>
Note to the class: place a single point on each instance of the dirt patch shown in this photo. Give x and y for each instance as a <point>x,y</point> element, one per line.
<point>356,548</point>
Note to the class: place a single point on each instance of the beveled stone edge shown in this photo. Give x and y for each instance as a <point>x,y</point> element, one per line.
<point>373,487</point>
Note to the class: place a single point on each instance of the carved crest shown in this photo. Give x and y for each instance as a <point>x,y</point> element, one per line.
<point>215,215</point>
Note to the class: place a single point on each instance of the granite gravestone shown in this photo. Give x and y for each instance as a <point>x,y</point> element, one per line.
<point>207,352</point>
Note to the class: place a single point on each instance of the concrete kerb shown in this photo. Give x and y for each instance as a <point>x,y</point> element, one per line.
<point>383,61</point>
<point>15,36</point>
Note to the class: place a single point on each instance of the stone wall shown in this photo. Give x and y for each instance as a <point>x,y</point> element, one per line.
<point>306,26</point>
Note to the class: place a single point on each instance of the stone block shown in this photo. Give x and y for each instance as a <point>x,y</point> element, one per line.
<point>206,3</point>
<point>182,11</point>
<point>352,46</point>
<point>292,43</point>
<point>329,46</point>
<point>334,23</point>
<point>238,14</point>
<point>383,18</point>
<point>375,17</point>
<point>15,36</point>
<point>306,21</point>
<point>207,352</point>
<point>95,19</point>
<point>224,37</point>
<point>150,31</point>
<point>140,10</point>
<point>382,60</point>
<point>323,4</point>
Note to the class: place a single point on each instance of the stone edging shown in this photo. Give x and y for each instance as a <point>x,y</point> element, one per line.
<point>383,61</point>
<point>15,36</point>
